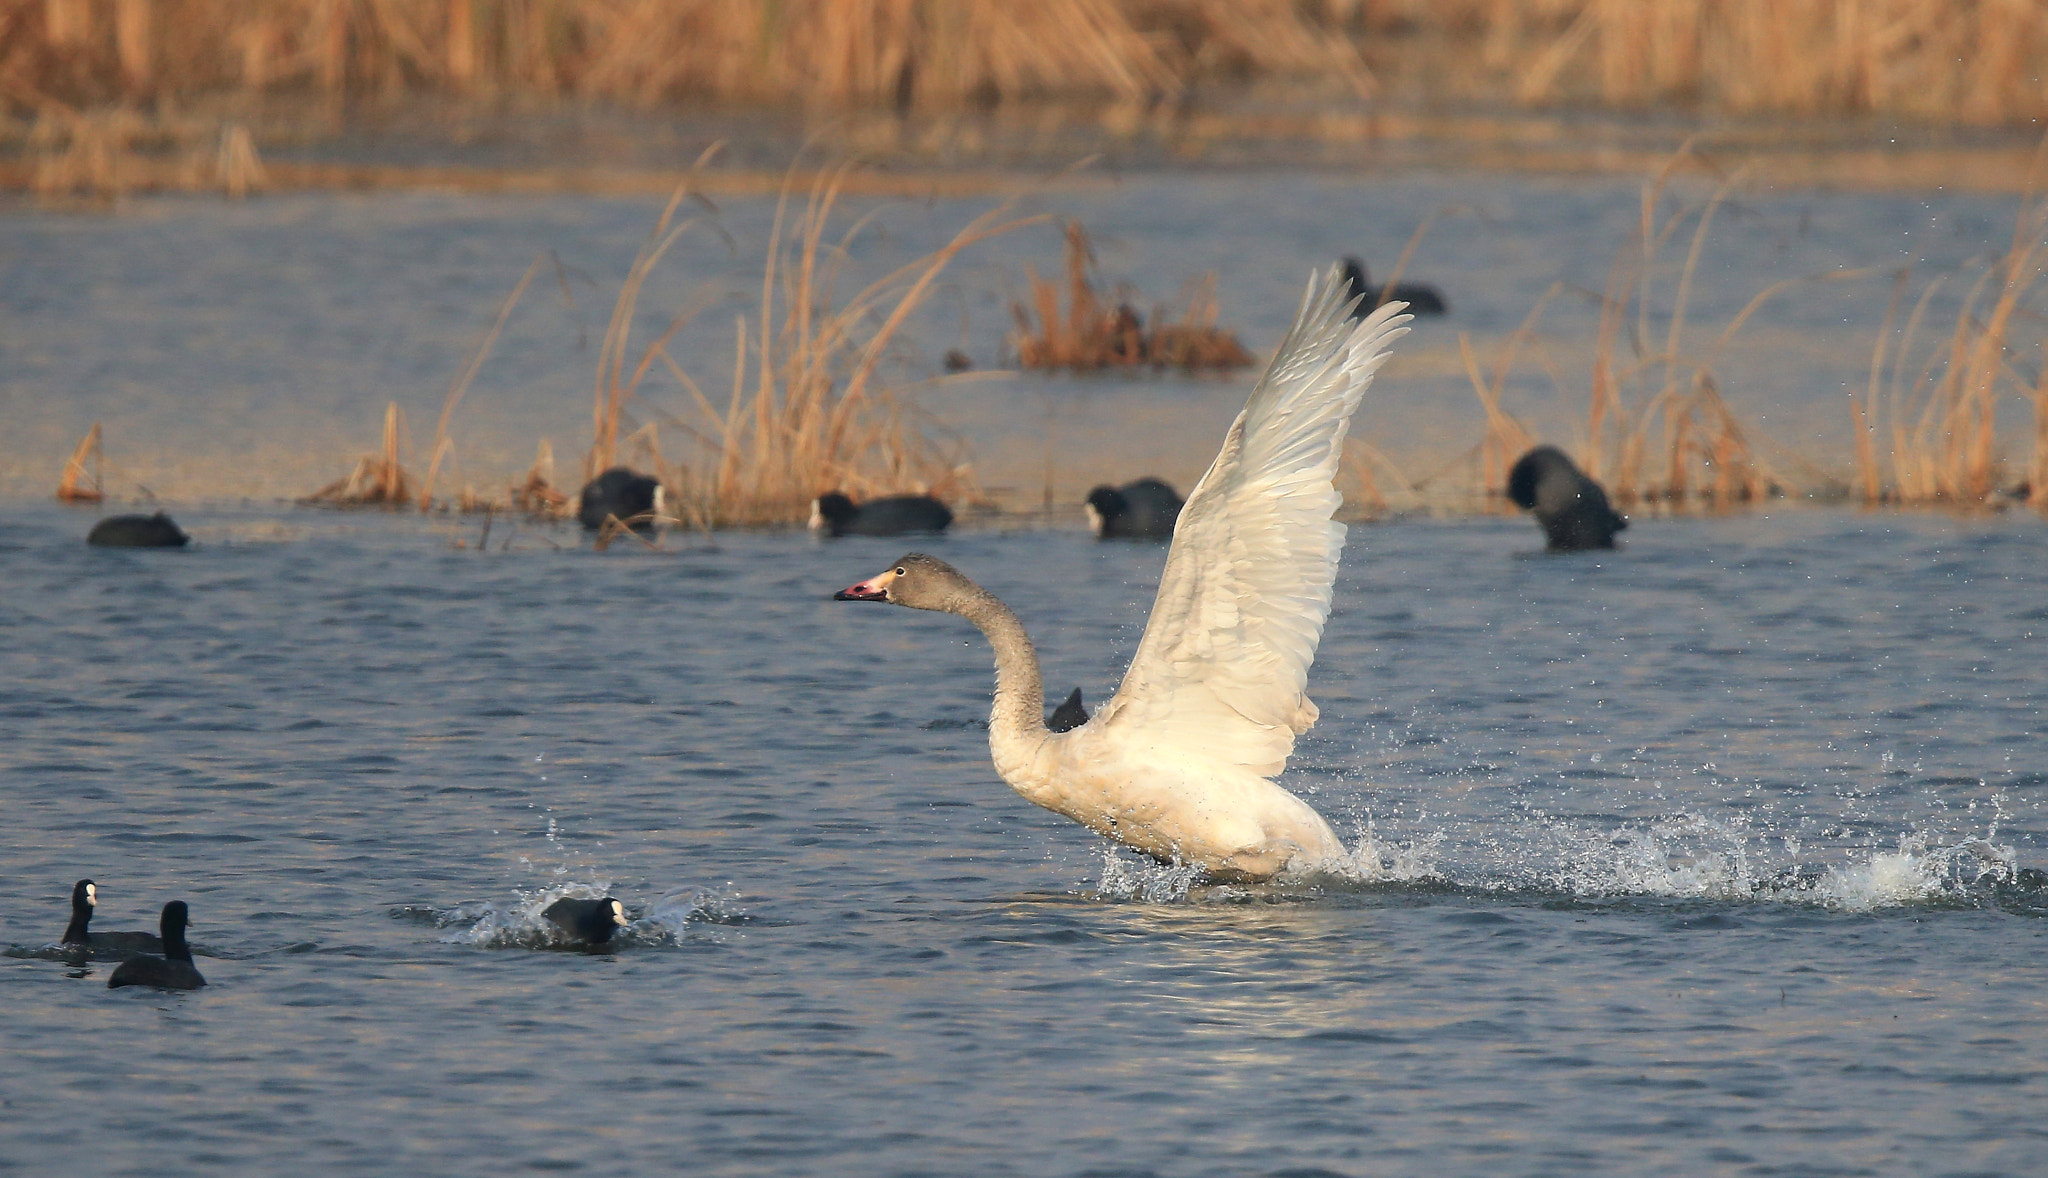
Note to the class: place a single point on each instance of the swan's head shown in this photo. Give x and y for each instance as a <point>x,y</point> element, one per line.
<point>917,581</point>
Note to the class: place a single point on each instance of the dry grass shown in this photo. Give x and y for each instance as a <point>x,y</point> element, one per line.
<point>806,410</point>
<point>1974,61</point>
<point>1657,427</point>
<point>834,53</point>
<point>69,489</point>
<point>1926,428</point>
<point>378,480</point>
<point>1093,332</point>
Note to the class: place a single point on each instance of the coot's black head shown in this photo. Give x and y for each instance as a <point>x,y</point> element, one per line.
<point>1104,504</point>
<point>1540,466</point>
<point>1354,275</point>
<point>173,927</point>
<point>84,895</point>
<point>832,512</point>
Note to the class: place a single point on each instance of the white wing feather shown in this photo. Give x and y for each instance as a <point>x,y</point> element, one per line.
<point>1223,668</point>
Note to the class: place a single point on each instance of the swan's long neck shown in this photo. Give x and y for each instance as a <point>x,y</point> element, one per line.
<point>1019,708</point>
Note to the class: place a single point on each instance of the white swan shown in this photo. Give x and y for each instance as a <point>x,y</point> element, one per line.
<point>1178,764</point>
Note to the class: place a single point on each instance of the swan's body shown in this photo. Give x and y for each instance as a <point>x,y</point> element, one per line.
<point>1178,764</point>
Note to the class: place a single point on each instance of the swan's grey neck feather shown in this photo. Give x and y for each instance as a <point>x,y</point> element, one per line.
<point>1019,707</point>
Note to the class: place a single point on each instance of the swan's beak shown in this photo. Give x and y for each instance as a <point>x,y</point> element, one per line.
<point>872,589</point>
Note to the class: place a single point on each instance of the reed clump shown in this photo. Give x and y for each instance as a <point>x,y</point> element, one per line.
<point>1927,425</point>
<point>1657,427</point>
<point>1093,332</point>
<point>378,480</point>
<point>807,408</point>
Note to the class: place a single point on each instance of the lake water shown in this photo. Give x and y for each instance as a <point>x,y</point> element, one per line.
<point>1695,857</point>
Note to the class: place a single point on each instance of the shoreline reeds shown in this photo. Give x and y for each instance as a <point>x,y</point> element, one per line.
<point>1957,61</point>
<point>1927,425</point>
<point>807,410</point>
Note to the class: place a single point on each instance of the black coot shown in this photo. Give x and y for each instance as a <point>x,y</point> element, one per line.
<point>174,970</point>
<point>85,896</point>
<point>1143,510</point>
<point>590,921</point>
<point>1572,508</point>
<point>137,531</point>
<point>619,493</point>
<point>1421,298</point>
<point>836,515</point>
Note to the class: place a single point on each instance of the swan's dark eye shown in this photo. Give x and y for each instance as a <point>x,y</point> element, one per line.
<point>901,572</point>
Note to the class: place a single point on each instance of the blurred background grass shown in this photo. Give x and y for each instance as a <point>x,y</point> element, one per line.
<point>1944,61</point>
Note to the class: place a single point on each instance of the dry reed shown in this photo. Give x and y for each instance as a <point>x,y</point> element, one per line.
<point>1094,333</point>
<point>831,53</point>
<point>1657,426</point>
<point>378,480</point>
<point>1974,61</point>
<point>68,488</point>
<point>806,411</point>
<point>1939,412</point>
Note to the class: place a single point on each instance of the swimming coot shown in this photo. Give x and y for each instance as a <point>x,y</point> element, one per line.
<point>591,921</point>
<point>1141,510</point>
<point>619,493</point>
<point>1422,299</point>
<point>85,897</point>
<point>174,970</point>
<point>1571,507</point>
<point>836,515</point>
<point>137,531</point>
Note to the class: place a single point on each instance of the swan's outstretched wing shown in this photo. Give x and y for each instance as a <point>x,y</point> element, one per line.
<point>1221,672</point>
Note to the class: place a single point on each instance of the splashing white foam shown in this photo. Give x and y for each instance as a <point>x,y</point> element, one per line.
<point>519,923</point>
<point>1916,873</point>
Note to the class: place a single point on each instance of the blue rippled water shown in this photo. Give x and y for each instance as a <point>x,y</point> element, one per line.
<point>1697,857</point>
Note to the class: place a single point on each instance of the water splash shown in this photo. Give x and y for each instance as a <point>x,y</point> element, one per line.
<point>1686,856</point>
<point>518,923</point>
